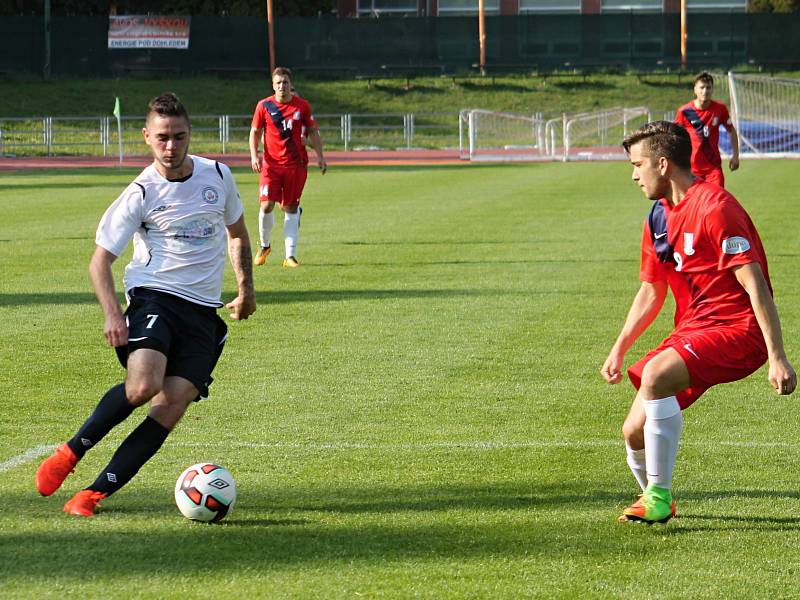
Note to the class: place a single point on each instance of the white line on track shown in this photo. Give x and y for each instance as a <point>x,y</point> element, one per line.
<point>28,455</point>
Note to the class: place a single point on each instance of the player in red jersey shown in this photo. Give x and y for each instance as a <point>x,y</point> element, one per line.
<point>699,242</point>
<point>287,122</point>
<point>702,118</point>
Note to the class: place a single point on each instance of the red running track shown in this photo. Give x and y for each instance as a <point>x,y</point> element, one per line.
<point>388,157</point>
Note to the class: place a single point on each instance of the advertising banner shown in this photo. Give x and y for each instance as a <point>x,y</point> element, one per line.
<point>148,31</point>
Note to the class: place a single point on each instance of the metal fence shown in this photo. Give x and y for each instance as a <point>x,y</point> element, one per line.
<point>327,46</point>
<point>225,134</point>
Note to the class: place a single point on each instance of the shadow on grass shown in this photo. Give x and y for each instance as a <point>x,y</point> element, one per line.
<point>269,296</point>
<point>691,522</point>
<point>668,83</point>
<point>54,298</point>
<point>583,85</point>
<point>64,185</point>
<point>401,90</point>
<point>140,530</point>
<point>487,84</point>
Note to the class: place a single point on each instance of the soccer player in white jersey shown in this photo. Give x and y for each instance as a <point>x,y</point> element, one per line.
<point>181,212</point>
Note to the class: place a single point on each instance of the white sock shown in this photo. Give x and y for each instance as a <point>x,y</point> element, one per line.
<point>636,461</point>
<point>662,431</point>
<point>291,231</point>
<point>266,222</point>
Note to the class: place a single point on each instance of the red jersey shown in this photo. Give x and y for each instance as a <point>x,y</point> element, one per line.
<point>283,126</point>
<point>692,246</point>
<point>703,127</point>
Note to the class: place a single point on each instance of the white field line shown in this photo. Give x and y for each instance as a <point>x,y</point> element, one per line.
<point>28,455</point>
<point>39,451</point>
<point>477,445</point>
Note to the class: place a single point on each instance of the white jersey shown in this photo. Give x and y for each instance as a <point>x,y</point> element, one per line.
<point>178,230</point>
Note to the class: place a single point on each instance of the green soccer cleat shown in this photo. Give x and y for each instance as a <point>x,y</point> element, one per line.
<point>655,505</point>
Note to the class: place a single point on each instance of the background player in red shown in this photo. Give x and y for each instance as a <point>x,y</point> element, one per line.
<point>698,241</point>
<point>286,121</point>
<point>702,118</point>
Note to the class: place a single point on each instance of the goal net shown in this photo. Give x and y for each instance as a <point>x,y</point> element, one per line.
<point>499,136</point>
<point>766,113</point>
<point>495,136</point>
<point>598,135</point>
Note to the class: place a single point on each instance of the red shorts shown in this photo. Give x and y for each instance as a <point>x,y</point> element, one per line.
<point>280,184</point>
<point>714,176</point>
<point>714,355</point>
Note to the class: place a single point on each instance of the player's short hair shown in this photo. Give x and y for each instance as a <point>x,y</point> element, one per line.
<point>282,71</point>
<point>705,77</point>
<point>167,105</point>
<point>663,138</point>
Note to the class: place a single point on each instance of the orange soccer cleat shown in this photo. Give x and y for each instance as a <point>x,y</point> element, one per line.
<point>291,262</point>
<point>54,470</point>
<point>262,254</point>
<point>84,503</point>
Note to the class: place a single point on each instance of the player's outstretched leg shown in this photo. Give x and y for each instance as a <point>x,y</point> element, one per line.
<point>139,447</point>
<point>112,409</point>
<point>655,505</point>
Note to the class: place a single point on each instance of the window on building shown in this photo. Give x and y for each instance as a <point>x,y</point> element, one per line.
<point>717,5</point>
<point>467,7</point>
<point>376,8</point>
<point>632,5</point>
<point>549,6</point>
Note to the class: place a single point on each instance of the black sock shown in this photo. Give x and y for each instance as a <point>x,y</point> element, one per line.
<point>112,410</point>
<point>137,449</point>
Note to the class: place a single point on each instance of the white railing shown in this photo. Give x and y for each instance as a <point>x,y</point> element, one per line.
<point>224,134</point>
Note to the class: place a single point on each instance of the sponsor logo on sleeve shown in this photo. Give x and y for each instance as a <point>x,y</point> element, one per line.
<point>735,245</point>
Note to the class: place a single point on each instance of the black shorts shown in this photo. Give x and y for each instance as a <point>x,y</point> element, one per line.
<point>189,335</point>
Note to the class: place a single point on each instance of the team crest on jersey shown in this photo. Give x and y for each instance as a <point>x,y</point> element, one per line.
<point>688,244</point>
<point>297,115</point>
<point>735,245</point>
<point>715,121</point>
<point>210,195</point>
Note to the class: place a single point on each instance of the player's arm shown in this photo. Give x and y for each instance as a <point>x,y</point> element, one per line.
<point>255,158</point>
<point>645,308</point>
<point>115,328</point>
<point>316,142</point>
<point>734,162</point>
<point>240,254</point>
<point>782,375</point>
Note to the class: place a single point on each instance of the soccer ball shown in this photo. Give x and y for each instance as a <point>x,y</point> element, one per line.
<point>205,492</point>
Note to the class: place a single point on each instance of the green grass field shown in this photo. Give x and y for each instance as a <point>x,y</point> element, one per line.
<point>416,412</point>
